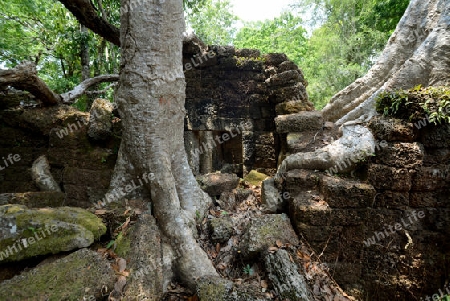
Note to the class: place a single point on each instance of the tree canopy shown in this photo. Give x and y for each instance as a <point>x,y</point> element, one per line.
<point>339,43</point>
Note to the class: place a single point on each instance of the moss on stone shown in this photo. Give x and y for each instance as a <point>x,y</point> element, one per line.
<point>255,178</point>
<point>214,290</point>
<point>71,215</point>
<point>123,244</point>
<point>46,231</point>
<point>79,275</point>
<point>417,103</point>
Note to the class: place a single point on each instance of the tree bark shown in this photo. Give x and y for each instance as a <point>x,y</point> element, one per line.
<point>150,98</point>
<point>24,77</point>
<point>86,15</point>
<point>417,53</point>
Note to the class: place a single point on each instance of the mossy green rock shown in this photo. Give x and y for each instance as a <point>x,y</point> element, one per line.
<point>255,178</point>
<point>81,275</point>
<point>25,233</point>
<point>264,231</point>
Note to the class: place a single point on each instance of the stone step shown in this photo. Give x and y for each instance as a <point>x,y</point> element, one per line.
<point>345,193</point>
<point>299,122</point>
<point>299,180</point>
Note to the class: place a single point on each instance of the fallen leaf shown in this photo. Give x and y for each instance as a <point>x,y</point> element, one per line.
<point>273,249</point>
<point>302,255</point>
<point>124,273</point>
<point>115,267</point>
<point>125,225</point>
<point>218,247</point>
<point>269,295</point>
<point>279,243</point>
<point>100,212</point>
<point>193,298</point>
<point>264,284</point>
<point>102,250</point>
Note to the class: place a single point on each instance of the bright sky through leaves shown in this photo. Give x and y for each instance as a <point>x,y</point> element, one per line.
<point>254,10</point>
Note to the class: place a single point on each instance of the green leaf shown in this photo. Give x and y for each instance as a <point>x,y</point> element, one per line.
<point>110,244</point>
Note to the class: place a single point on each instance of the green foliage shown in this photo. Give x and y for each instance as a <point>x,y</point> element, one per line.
<point>417,103</point>
<point>110,244</point>
<point>283,34</point>
<point>45,32</point>
<point>213,22</point>
<point>351,35</point>
<point>248,270</point>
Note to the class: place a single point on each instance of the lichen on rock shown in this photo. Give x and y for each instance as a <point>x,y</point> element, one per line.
<point>82,274</point>
<point>31,232</point>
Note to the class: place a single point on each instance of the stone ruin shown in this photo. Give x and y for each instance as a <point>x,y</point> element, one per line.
<point>258,107</point>
<point>238,92</point>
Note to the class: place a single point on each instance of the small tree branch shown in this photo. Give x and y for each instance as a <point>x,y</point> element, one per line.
<point>101,91</point>
<point>71,96</point>
<point>24,77</point>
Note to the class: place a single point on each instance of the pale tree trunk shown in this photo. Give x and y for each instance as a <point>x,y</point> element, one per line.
<point>418,52</point>
<point>150,97</point>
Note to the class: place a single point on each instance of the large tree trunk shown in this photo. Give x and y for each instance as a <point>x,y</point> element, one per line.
<point>418,52</point>
<point>150,97</point>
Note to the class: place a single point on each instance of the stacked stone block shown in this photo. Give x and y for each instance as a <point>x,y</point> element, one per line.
<point>367,229</point>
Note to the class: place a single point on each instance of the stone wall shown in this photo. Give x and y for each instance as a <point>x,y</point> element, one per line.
<point>237,92</point>
<point>81,167</point>
<point>383,232</point>
<point>229,87</point>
